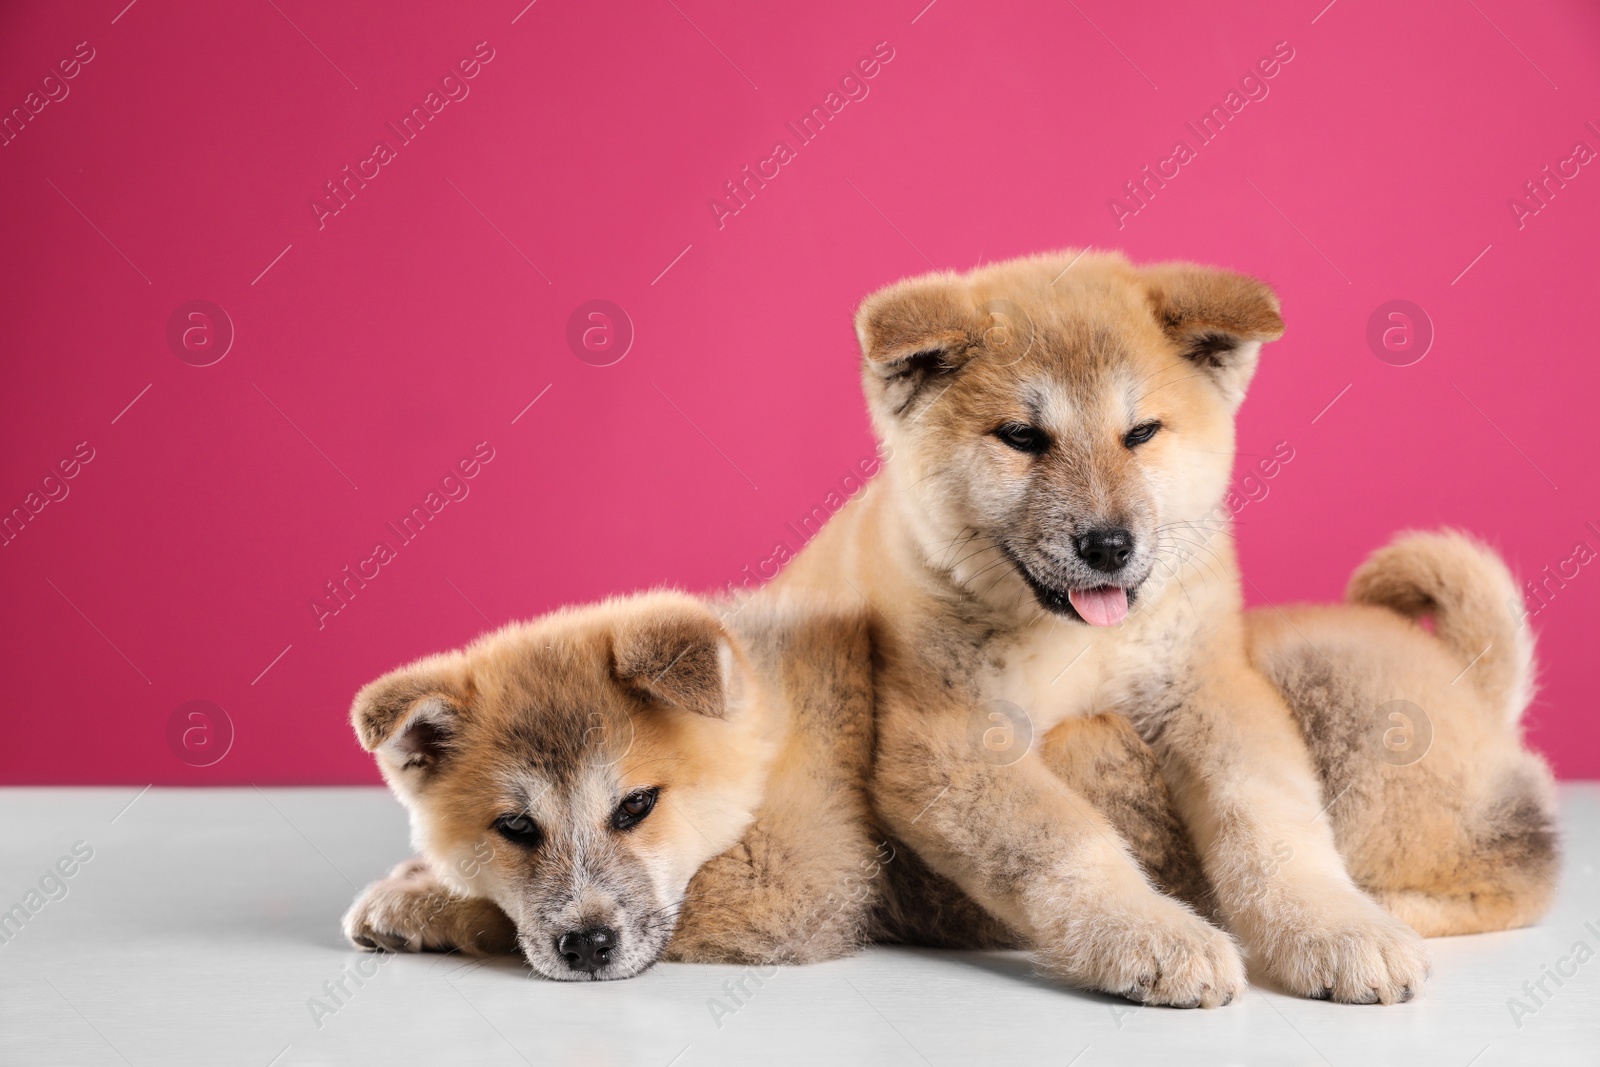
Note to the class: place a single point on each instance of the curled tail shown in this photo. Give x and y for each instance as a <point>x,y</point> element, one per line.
<point>1474,602</point>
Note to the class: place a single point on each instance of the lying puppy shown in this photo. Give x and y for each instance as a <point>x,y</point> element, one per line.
<point>1437,807</point>
<point>585,786</point>
<point>566,778</point>
<point>1043,537</point>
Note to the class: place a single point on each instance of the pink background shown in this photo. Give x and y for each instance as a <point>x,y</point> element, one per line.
<point>375,352</point>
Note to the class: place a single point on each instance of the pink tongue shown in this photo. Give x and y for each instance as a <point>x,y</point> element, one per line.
<point>1104,606</point>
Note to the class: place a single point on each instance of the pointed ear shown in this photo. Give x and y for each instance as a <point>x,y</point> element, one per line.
<point>912,334</point>
<point>677,654</point>
<point>410,717</point>
<point>1218,320</point>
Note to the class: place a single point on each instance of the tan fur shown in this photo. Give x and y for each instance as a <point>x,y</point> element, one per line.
<point>1086,348</point>
<point>1438,808</point>
<point>757,733</point>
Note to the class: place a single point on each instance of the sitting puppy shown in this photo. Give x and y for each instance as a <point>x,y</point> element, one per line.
<point>588,785</point>
<point>1042,537</point>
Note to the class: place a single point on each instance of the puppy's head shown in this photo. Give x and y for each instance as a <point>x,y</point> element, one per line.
<point>1056,422</point>
<point>578,770</point>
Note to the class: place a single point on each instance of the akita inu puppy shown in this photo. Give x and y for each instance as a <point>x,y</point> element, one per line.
<point>567,777</point>
<point>1042,537</point>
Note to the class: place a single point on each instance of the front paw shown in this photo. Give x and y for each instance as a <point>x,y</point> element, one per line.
<point>1354,955</point>
<point>410,911</point>
<point>1165,956</point>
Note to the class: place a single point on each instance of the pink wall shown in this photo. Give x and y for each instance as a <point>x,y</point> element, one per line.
<point>374,348</point>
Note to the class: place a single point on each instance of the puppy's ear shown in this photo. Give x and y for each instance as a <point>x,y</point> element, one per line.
<point>410,717</point>
<point>912,334</point>
<point>677,654</point>
<point>1218,320</point>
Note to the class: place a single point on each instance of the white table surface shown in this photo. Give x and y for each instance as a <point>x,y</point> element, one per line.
<point>206,922</point>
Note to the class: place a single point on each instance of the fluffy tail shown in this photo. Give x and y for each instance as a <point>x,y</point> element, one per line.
<point>1474,602</point>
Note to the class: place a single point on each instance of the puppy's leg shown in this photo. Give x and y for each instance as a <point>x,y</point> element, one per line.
<point>1244,784</point>
<point>1103,758</point>
<point>1035,854</point>
<point>413,911</point>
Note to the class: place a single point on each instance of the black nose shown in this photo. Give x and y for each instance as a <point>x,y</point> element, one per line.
<point>587,950</point>
<point>1106,549</point>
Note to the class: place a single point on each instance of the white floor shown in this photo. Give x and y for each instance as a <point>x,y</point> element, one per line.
<point>206,922</point>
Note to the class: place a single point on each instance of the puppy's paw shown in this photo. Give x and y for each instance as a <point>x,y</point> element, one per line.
<point>1356,954</point>
<point>1163,955</point>
<point>412,911</point>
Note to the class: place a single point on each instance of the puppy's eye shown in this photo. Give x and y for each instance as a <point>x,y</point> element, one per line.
<point>520,829</point>
<point>1023,438</point>
<point>1141,433</point>
<point>634,808</point>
